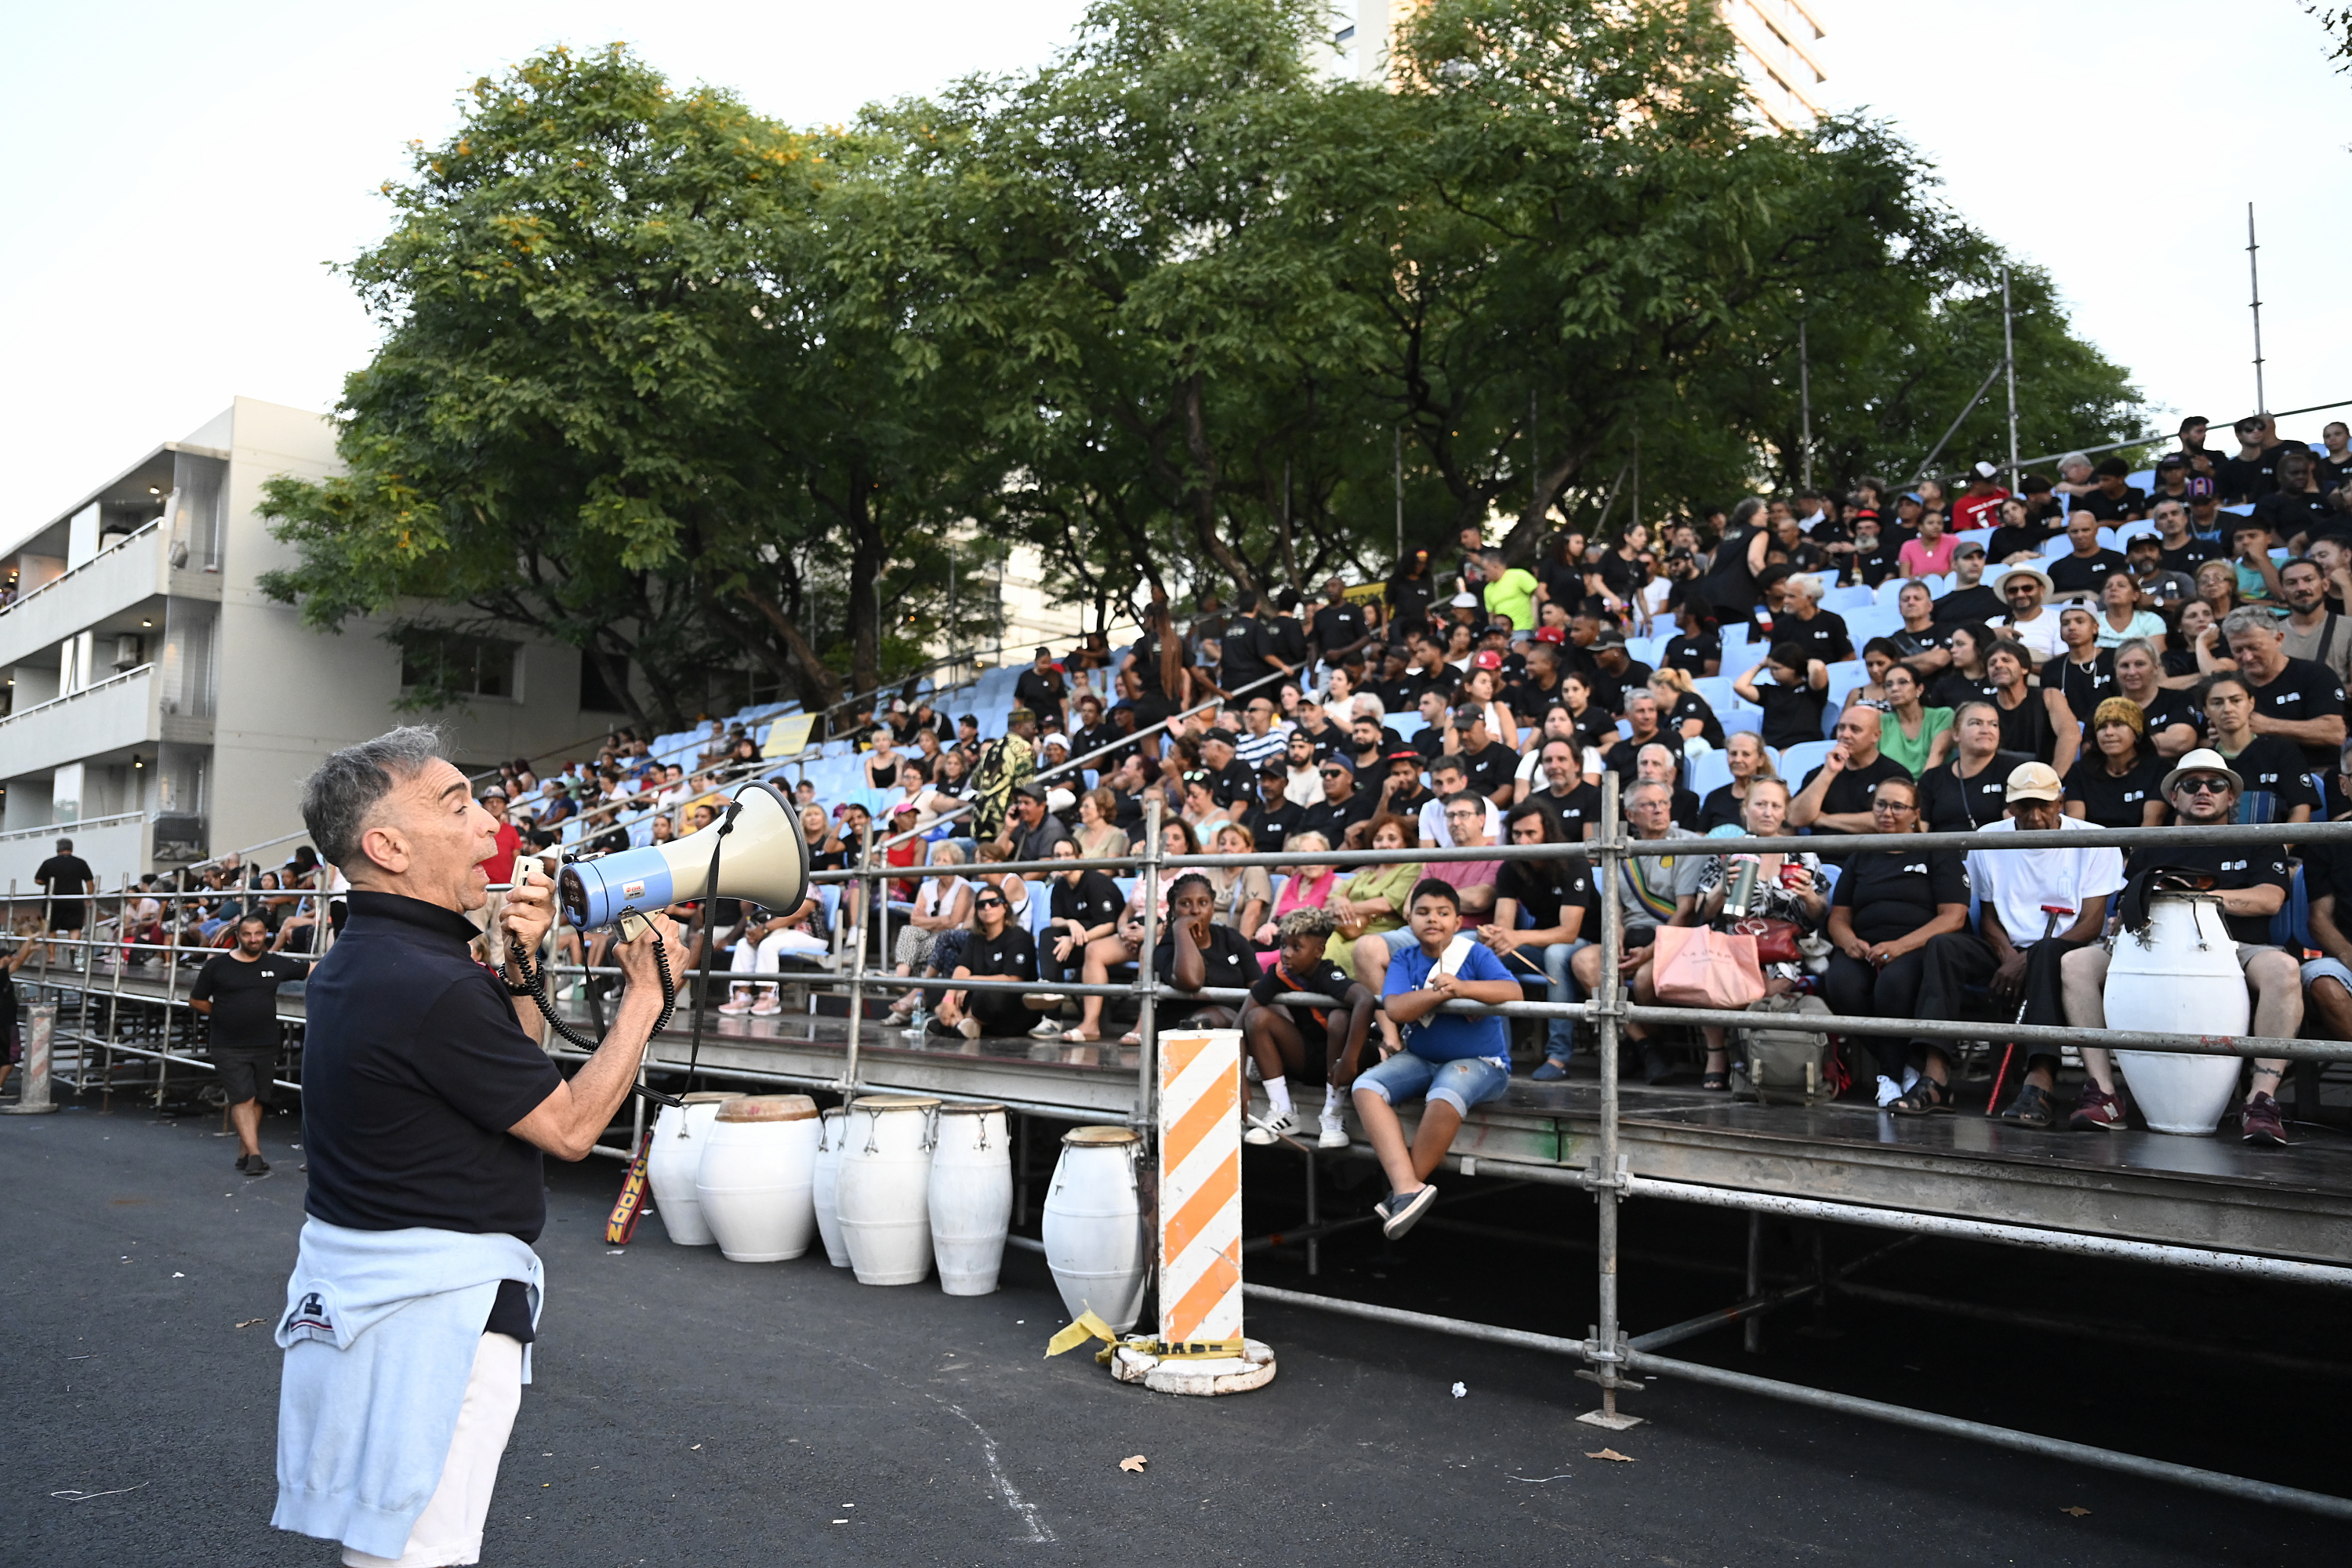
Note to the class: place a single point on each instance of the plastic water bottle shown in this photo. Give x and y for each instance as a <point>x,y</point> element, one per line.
<point>919,1025</point>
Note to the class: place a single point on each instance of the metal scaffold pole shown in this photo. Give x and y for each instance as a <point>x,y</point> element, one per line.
<point>1606,1349</point>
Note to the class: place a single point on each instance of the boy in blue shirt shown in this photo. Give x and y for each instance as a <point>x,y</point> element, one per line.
<point>1454,1059</point>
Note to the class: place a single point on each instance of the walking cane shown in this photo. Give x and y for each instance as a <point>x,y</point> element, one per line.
<point>2050,915</point>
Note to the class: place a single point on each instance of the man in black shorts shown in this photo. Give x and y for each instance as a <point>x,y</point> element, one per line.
<point>66,877</point>
<point>238,992</point>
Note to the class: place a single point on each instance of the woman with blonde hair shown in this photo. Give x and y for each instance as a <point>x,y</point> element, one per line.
<point>1682,709</point>
<point>1310,885</point>
<point>1099,836</point>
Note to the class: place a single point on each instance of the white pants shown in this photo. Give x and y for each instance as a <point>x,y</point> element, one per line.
<point>449,1530</point>
<point>767,958</point>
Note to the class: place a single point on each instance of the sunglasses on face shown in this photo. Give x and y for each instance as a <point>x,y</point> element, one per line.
<point>988,904</point>
<point>2203,786</point>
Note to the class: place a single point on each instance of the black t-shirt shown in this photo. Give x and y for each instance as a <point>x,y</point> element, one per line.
<point>1040,692</point>
<point>1823,636</point>
<point>1911,643</point>
<point>1720,809</point>
<point>1333,818</point>
<point>1008,951</point>
<point>1096,901</point>
<point>1338,626</point>
<point>1271,825</point>
<point>1230,960</point>
<point>2133,502</point>
<point>2083,687</point>
<point>1544,888</point>
<point>2249,478</point>
<point>2172,706</point>
<point>1951,804</point>
<point>1325,979</point>
<point>2288,515</point>
<point>1289,639</point>
<point>2189,557</point>
<point>1491,767</point>
<point>2109,801</point>
<point>1851,790</point>
<point>1691,705</point>
<point>65,875</point>
<point>1880,561</point>
<point>1728,586</point>
<point>2231,867</point>
<point>2327,872</point>
<point>2028,727</point>
<point>413,1069</point>
<point>1792,714</point>
<point>1245,648</point>
<point>1692,652</point>
<point>1894,893</point>
<point>2277,780</point>
<point>2084,574</point>
<point>1952,688</point>
<point>1963,605</point>
<point>1235,783</point>
<point>2304,692</point>
<point>1581,805</point>
<point>2008,540</point>
<point>245,998</point>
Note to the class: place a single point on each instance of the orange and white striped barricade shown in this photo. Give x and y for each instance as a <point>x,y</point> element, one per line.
<point>1200,1348</point>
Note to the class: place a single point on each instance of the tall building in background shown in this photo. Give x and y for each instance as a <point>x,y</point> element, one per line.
<point>1778,55</point>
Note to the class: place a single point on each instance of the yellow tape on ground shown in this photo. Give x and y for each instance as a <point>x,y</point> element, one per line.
<point>1086,1326</point>
<point>1089,1327</point>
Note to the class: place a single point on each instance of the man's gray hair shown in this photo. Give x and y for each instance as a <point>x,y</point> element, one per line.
<point>1659,784</point>
<point>2251,618</point>
<point>2071,459</point>
<point>338,799</point>
<point>1810,588</point>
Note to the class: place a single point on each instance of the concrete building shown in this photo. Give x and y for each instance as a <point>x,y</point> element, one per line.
<point>162,709</point>
<point>1778,51</point>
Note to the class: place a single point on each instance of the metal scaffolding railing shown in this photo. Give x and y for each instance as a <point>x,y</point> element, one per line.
<point>1614,1360</point>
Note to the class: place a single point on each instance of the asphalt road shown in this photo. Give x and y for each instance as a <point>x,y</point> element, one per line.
<point>688,1411</point>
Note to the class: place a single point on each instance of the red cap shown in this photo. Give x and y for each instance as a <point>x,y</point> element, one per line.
<point>1486,658</point>
<point>1551,634</point>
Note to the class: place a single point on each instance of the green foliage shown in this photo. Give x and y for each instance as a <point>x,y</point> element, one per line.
<point>684,387</point>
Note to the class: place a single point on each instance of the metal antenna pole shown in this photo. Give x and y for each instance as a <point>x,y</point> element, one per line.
<point>1804,407</point>
<point>2254,279</point>
<point>2009,360</point>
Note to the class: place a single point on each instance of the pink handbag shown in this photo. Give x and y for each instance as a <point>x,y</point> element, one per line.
<point>1697,967</point>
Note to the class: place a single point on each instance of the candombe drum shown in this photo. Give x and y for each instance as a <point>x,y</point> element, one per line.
<point>679,1132</point>
<point>828,1186</point>
<point>758,1176</point>
<point>2179,975</point>
<point>1094,1225</point>
<point>884,1188</point>
<point>971,1197</point>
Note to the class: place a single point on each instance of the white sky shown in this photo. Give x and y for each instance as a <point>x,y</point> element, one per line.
<point>180,175</point>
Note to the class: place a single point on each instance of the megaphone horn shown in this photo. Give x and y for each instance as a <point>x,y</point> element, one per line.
<point>763,860</point>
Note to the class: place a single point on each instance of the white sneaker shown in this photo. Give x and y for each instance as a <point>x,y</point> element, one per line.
<point>968,1027</point>
<point>1272,1130</point>
<point>1047,1030</point>
<point>1334,1134</point>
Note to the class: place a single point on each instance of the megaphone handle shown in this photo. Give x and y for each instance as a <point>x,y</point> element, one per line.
<point>534,985</point>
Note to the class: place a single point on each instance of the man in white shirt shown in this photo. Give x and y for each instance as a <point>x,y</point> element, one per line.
<point>1302,780</point>
<point>2036,907</point>
<point>2030,622</point>
<point>1448,776</point>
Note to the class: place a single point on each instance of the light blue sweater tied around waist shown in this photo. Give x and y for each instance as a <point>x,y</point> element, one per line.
<point>380,1332</point>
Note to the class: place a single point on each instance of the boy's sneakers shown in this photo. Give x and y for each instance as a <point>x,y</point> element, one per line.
<point>2096,1110</point>
<point>2030,1108</point>
<point>2260,1123</point>
<point>1403,1211</point>
<point>1334,1133</point>
<point>1272,1130</point>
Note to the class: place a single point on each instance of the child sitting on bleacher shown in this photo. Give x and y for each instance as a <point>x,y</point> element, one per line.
<point>1454,1060</point>
<point>1279,1042</point>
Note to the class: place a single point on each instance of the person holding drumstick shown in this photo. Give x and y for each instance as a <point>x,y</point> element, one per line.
<point>426,1107</point>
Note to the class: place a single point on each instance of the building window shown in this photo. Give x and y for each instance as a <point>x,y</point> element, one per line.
<point>449,667</point>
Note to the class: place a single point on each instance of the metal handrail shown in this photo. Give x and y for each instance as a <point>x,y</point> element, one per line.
<point>79,693</point>
<point>26,597</point>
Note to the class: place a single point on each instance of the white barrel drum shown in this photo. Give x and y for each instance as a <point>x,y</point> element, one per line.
<point>971,1197</point>
<point>679,1132</point>
<point>757,1179</point>
<point>885,1187</point>
<point>828,1186</point>
<point>1094,1225</point>
<point>2182,979</point>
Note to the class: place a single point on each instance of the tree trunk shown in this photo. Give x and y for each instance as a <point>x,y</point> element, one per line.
<point>866,563</point>
<point>1203,489</point>
<point>819,686</point>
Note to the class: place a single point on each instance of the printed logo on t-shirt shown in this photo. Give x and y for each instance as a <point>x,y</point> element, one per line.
<point>1919,869</point>
<point>2233,865</point>
<point>2134,794</point>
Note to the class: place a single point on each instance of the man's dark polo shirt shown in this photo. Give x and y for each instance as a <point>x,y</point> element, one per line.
<point>413,1069</point>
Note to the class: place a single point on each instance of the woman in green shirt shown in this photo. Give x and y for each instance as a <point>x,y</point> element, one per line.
<point>1372,902</point>
<point>1917,736</point>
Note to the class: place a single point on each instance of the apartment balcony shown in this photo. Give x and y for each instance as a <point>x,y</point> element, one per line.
<point>115,846</point>
<point>103,720</point>
<point>137,568</point>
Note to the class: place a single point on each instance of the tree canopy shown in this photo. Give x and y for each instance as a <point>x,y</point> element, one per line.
<point>692,389</point>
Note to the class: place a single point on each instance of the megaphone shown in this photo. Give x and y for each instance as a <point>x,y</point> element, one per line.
<point>763,860</point>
